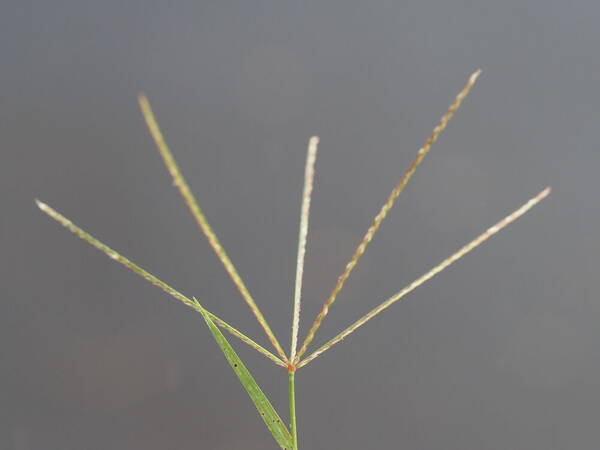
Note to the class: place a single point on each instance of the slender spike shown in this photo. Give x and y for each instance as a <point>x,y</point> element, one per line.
<point>309,177</point>
<point>437,269</point>
<point>385,209</point>
<point>194,208</point>
<point>152,279</point>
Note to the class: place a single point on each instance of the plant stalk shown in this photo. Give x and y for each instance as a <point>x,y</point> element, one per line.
<point>292,398</point>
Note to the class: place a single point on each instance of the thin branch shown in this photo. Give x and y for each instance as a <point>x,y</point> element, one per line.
<point>193,206</point>
<point>309,176</point>
<point>152,279</point>
<point>384,211</point>
<point>437,269</point>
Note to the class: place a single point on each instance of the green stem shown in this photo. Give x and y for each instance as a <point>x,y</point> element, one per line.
<point>292,397</point>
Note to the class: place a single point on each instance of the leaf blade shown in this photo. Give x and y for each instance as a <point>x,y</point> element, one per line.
<point>272,420</point>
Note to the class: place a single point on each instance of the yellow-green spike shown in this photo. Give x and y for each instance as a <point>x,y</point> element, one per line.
<point>198,214</point>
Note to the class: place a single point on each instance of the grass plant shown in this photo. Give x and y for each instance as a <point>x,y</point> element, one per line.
<point>287,435</point>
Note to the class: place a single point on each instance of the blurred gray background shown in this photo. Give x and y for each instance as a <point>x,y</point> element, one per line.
<point>498,352</point>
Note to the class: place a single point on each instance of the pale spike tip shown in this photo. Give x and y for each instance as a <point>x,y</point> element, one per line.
<point>473,78</point>
<point>41,205</point>
<point>143,101</point>
<point>542,195</point>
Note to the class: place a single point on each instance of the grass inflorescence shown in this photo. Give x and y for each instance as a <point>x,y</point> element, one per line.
<point>287,438</point>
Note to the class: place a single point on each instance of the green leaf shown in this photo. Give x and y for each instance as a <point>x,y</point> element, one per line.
<point>262,403</point>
